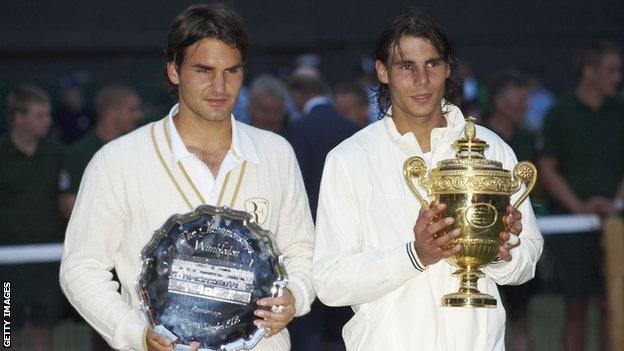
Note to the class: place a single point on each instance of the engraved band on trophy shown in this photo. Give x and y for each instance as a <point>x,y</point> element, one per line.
<point>476,192</point>
<point>203,273</point>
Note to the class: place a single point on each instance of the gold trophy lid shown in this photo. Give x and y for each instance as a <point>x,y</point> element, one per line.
<point>470,150</point>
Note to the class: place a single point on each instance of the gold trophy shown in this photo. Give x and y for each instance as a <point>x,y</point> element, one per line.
<point>476,192</point>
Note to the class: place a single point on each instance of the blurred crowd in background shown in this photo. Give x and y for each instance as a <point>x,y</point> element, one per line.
<point>50,134</point>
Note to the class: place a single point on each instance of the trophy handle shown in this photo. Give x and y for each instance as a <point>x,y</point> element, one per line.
<point>415,167</point>
<point>524,172</point>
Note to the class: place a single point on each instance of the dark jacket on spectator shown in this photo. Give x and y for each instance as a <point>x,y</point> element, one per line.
<point>312,137</point>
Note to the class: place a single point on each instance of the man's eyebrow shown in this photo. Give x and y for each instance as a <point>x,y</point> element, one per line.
<point>202,66</point>
<point>206,67</point>
<point>240,65</point>
<point>435,59</point>
<point>403,62</point>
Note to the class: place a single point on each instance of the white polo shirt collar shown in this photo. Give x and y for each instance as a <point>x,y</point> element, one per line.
<point>407,142</point>
<point>242,148</point>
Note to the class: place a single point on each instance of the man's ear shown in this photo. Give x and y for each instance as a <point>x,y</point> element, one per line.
<point>172,73</point>
<point>382,72</point>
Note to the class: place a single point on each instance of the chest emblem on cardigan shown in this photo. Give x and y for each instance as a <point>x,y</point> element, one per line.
<point>259,208</point>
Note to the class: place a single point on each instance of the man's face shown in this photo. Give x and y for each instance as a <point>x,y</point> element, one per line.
<point>349,106</point>
<point>73,98</point>
<point>267,113</point>
<point>209,79</point>
<point>130,112</point>
<point>512,104</point>
<point>415,75</point>
<point>607,74</point>
<point>35,122</point>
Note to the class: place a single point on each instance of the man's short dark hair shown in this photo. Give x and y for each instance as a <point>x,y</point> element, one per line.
<point>502,81</point>
<point>21,98</point>
<point>111,96</point>
<point>200,21</point>
<point>308,84</point>
<point>416,23</point>
<point>358,90</point>
<point>592,52</point>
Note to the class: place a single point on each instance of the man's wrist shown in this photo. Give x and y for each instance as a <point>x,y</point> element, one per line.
<point>145,331</point>
<point>413,256</point>
<point>294,299</point>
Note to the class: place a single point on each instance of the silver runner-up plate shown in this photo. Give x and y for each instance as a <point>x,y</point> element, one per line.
<point>203,273</point>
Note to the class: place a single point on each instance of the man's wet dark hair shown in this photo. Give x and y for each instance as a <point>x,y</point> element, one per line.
<point>415,23</point>
<point>200,21</point>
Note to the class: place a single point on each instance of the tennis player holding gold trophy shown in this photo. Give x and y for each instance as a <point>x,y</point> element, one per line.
<point>476,192</point>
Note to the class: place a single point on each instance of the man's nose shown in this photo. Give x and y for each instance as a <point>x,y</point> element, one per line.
<point>420,76</point>
<point>219,83</point>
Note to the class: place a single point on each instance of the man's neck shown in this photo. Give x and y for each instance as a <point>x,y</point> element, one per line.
<point>502,126</point>
<point>590,96</point>
<point>421,127</point>
<point>25,142</point>
<point>208,140</point>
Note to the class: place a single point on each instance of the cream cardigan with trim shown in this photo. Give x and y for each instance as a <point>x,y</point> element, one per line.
<point>126,194</point>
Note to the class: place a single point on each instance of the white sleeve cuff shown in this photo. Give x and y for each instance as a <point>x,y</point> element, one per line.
<point>403,263</point>
<point>503,272</point>
<point>413,256</point>
<point>130,330</point>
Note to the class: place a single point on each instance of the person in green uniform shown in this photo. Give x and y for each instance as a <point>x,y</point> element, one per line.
<point>118,110</point>
<point>509,93</point>
<point>29,214</point>
<point>582,165</point>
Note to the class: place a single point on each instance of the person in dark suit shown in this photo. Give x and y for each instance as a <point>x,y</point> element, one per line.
<point>320,129</point>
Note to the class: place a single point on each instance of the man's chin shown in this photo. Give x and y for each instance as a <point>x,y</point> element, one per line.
<point>216,116</point>
<point>216,113</point>
<point>423,111</point>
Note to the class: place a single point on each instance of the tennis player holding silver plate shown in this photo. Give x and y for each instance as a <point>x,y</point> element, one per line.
<point>211,278</point>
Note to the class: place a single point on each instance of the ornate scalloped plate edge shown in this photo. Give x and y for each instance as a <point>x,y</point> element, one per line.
<point>249,223</point>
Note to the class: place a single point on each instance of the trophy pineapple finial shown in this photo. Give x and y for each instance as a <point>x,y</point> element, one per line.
<point>470,131</point>
<point>470,146</point>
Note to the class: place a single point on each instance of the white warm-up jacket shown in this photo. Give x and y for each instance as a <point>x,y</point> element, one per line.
<point>364,257</point>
